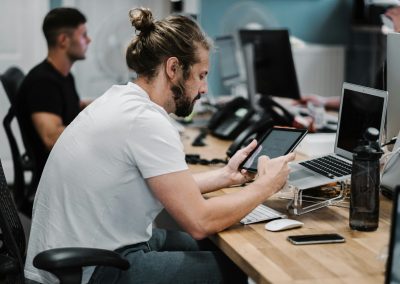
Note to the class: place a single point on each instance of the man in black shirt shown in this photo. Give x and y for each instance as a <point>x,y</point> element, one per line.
<point>47,100</point>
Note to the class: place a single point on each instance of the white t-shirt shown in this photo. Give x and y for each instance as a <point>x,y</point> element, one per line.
<point>93,191</point>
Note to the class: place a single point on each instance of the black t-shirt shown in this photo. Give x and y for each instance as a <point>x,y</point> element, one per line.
<point>44,89</point>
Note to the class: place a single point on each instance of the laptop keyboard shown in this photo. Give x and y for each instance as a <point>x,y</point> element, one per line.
<point>328,166</point>
<point>262,213</point>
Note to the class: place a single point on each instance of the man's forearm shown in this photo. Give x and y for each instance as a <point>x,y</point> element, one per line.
<point>212,180</point>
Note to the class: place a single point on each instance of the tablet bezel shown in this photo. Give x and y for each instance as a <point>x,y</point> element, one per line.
<point>275,128</point>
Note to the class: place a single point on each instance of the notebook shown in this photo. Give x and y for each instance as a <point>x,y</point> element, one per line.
<point>360,108</point>
<point>393,262</point>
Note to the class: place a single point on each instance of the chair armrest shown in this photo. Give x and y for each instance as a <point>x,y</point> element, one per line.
<point>78,257</point>
<point>67,263</point>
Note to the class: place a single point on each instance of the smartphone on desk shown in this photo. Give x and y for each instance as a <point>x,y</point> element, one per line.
<point>278,141</point>
<point>315,239</point>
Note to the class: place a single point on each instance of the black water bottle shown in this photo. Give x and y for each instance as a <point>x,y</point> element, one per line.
<point>365,181</point>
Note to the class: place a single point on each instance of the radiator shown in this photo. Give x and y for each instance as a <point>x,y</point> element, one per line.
<point>320,69</point>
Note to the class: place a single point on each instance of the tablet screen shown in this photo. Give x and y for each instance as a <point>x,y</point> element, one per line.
<point>276,142</point>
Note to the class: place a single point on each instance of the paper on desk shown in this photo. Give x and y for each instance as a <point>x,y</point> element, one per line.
<point>317,144</point>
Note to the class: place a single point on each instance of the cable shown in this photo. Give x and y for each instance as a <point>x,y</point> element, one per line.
<point>195,159</point>
<point>390,142</point>
<point>198,141</point>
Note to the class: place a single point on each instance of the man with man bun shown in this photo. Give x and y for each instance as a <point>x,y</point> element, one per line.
<point>121,161</point>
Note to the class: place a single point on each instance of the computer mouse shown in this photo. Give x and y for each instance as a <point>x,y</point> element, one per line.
<point>282,224</point>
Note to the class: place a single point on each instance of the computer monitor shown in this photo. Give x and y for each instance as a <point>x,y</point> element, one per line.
<point>274,69</point>
<point>228,61</point>
<point>393,262</point>
<point>393,85</point>
<point>248,57</point>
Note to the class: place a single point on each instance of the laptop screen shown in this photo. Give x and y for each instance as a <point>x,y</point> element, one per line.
<point>393,263</point>
<point>361,107</point>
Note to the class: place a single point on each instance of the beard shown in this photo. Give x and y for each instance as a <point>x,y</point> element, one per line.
<point>183,104</point>
<point>75,55</point>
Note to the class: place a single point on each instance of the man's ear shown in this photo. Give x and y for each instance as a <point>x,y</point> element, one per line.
<point>62,39</point>
<point>172,67</point>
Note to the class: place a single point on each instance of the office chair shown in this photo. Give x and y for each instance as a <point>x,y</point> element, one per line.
<point>65,263</point>
<point>11,80</point>
<point>22,190</point>
<point>12,237</point>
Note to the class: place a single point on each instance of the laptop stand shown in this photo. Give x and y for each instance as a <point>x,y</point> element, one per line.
<point>298,205</point>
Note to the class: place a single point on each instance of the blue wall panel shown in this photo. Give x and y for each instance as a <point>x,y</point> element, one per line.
<point>314,21</point>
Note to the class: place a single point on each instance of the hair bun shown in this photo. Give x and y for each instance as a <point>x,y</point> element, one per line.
<point>142,19</point>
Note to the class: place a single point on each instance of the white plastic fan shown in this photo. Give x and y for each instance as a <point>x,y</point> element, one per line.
<point>246,15</point>
<point>112,39</point>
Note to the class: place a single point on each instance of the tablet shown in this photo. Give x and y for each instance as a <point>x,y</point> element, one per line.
<point>276,142</point>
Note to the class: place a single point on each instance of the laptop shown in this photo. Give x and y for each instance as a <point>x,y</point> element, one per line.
<point>360,108</point>
<point>393,262</point>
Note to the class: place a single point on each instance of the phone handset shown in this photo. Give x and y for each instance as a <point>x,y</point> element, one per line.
<point>230,120</point>
<point>255,131</point>
<point>280,115</point>
<point>273,114</point>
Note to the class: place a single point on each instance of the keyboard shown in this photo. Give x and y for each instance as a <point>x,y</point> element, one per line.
<point>262,213</point>
<point>328,166</point>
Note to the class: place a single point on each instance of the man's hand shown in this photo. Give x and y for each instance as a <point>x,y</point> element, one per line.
<point>274,172</point>
<point>84,103</point>
<point>232,168</point>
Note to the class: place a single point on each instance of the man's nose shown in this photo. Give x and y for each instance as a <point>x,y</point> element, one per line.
<point>204,89</point>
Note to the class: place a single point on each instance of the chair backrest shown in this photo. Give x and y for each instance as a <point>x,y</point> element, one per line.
<point>12,246</point>
<point>19,178</point>
<point>11,80</point>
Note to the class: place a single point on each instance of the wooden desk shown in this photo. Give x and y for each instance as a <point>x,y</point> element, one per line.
<point>267,257</point>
